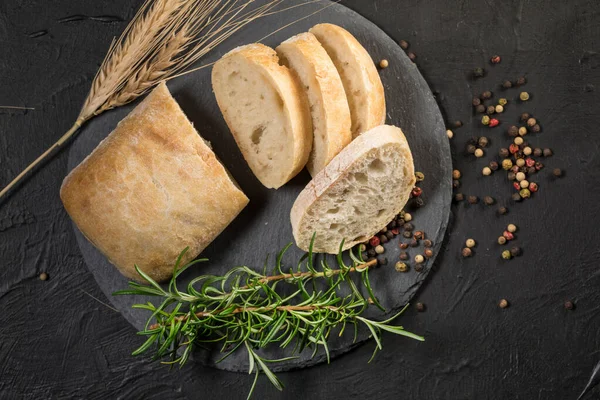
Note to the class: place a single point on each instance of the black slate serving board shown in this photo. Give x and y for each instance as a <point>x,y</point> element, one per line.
<point>263,227</point>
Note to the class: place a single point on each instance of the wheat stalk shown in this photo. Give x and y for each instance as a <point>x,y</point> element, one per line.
<point>163,39</point>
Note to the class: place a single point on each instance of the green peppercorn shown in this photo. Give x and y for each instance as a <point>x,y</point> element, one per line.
<point>419,176</point>
<point>506,255</point>
<point>507,84</point>
<point>507,164</point>
<point>525,193</point>
<point>401,267</point>
<point>524,96</point>
<point>503,152</point>
<point>490,110</point>
<point>485,120</point>
<point>515,251</point>
<point>502,101</point>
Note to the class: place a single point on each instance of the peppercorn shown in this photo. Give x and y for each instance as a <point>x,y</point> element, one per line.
<point>379,249</point>
<point>569,305</point>
<point>407,217</point>
<point>513,131</point>
<point>506,255</point>
<point>524,117</point>
<point>536,128</point>
<point>547,152</point>
<point>389,234</point>
<point>531,122</point>
<point>428,253</point>
<point>495,59</point>
<point>471,149</point>
<point>511,176</point>
<point>470,243</point>
<point>449,133</point>
<point>503,303</point>
<point>502,101</point>
<point>524,183</point>
<point>502,210</point>
<point>404,44</point>
<point>408,226</point>
<point>456,174</point>
<point>490,110</point>
<point>507,164</point>
<point>515,169</point>
<point>515,251</point>
<point>521,81</point>
<point>403,246</point>
<point>494,122</point>
<point>466,252</point>
<point>501,240</point>
<point>503,152</point>
<point>392,224</point>
<point>527,151</point>
<point>383,239</point>
<point>516,197</point>
<point>533,187</point>
<point>362,247</point>
<point>383,230</point>
<point>538,166</point>
<point>508,235</point>
<point>520,162</point>
<point>395,231</point>
<point>507,84</point>
<point>512,228</point>
<point>384,64</point>
<point>473,199</point>
<point>478,153</point>
<point>407,234</point>
<point>557,172</point>
<point>476,101</point>
<point>382,261</point>
<point>516,185</point>
<point>489,200</point>
<point>524,96</point>
<point>371,253</point>
<point>486,171</point>
<point>419,259</point>
<point>459,197</point>
<point>499,109</point>
<point>414,243</point>
<point>486,95</point>
<point>427,243</point>
<point>412,56</point>
<point>403,255</point>
<point>493,165</point>
<point>418,202</point>
<point>485,120</point>
<point>420,307</point>
<point>518,141</point>
<point>419,176</point>
<point>537,152</point>
<point>480,109</point>
<point>525,193</point>
<point>374,241</point>
<point>522,131</point>
<point>401,267</point>
<point>419,235</point>
<point>43,276</point>
<point>418,267</point>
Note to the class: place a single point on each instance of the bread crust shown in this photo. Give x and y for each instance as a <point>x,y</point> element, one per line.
<point>333,105</point>
<point>361,79</point>
<point>336,171</point>
<point>150,189</point>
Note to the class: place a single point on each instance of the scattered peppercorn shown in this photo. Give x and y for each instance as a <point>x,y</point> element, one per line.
<point>382,261</point>
<point>471,149</point>
<point>43,276</point>
<point>419,259</point>
<point>383,239</point>
<point>412,56</point>
<point>407,234</point>
<point>485,120</point>
<point>416,192</point>
<point>537,152</point>
<point>428,253</point>
<point>403,246</point>
<point>384,64</point>
<point>511,176</point>
<point>419,176</point>
<point>557,172</point>
<point>486,171</point>
<point>502,101</point>
<point>449,133</point>
<point>418,267</point>
<point>503,303</point>
<point>403,255</point>
<point>538,166</point>
<point>476,101</point>
<point>515,251</point>
<point>418,202</point>
<point>533,187</point>
<point>419,235</point>
<point>371,253</point>
<point>522,131</point>
<point>459,197</point>
<point>502,210</point>
<point>513,131</point>
<point>404,44</point>
<point>524,117</point>
<point>494,122</point>
<point>408,226</point>
<point>508,235</point>
<point>531,122</point>
<point>527,151</point>
<point>493,165</point>
<point>455,183</point>
<point>470,243</point>
<point>525,193</point>
<point>489,200</point>
<point>407,217</point>
<point>420,307</point>
<point>495,59</point>
<point>518,141</point>
<point>374,241</point>
<point>507,84</point>
<point>456,174</point>
<point>531,170</point>
<point>516,197</point>
<point>512,228</point>
<point>521,81</point>
<point>379,249</point>
<point>524,96</point>
<point>414,243</point>
<point>392,224</point>
<point>483,141</point>
<point>536,128</point>
<point>427,243</point>
<point>486,95</point>
<point>507,164</point>
<point>480,109</point>
<point>466,252</point>
<point>569,305</point>
<point>362,247</point>
<point>499,109</point>
<point>547,152</point>
<point>524,183</point>
<point>501,240</point>
<point>401,267</point>
<point>506,255</point>
<point>490,110</point>
<point>503,152</point>
<point>389,234</point>
<point>520,162</point>
<point>478,153</point>
<point>473,199</point>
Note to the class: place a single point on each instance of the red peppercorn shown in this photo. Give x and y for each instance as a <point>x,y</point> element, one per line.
<point>533,187</point>
<point>513,148</point>
<point>516,185</point>
<point>395,231</point>
<point>374,241</point>
<point>416,192</point>
<point>493,122</point>
<point>508,235</point>
<point>514,169</point>
<point>530,162</point>
<point>538,166</point>
<point>495,59</point>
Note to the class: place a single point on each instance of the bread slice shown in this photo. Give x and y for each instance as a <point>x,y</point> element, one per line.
<point>150,189</point>
<point>361,80</point>
<point>266,110</point>
<point>328,105</point>
<point>357,194</point>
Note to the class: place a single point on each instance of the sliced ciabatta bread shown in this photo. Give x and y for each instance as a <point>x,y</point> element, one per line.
<point>357,194</point>
<point>328,105</point>
<point>361,80</point>
<point>266,110</point>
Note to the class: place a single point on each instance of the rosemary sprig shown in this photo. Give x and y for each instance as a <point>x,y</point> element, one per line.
<point>244,309</point>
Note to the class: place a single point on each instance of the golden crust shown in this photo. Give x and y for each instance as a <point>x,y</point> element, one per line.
<point>150,189</point>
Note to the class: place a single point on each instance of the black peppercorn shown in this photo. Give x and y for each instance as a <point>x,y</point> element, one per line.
<point>412,56</point>
<point>382,261</point>
<point>489,200</point>
<point>547,152</point>
<point>537,152</point>
<point>524,117</point>
<point>476,101</point>
<point>511,176</point>
<point>473,199</point>
<point>513,131</point>
<point>502,210</point>
<point>569,305</point>
<point>459,197</point>
<point>407,234</point>
<point>557,172</point>
<point>457,124</point>
<point>486,95</point>
<point>371,253</point>
<point>383,239</point>
<point>420,307</point>
<point>408,226</point>
<point>404,44</point>
<point>427,243</point>
<point>419,235</point>
<point>531,170</point>
<point>483,141</point>
<point>515,251</point>
<point>389,234</point>
<point>536,128</point>
<point>478,72</point>
<point>418,267</point>
<point>494,166</point>
<point>516,197</point>
<point>428,253</point>
<point>480,109</point>
<point>455,183</point>
<point>503,152</point>
<point>414,243</point>
<point>521,81</point>
<point>466,252</point>
<point>418,202</point>
<point>403,255</point>
<point>490,110</point>
<point>507,84</point>
<point>392,224</point>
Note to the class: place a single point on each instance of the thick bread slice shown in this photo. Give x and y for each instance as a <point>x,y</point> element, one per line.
<point>150,189</point>
<point>361,80</point>
<point>357,194</point>
<point>328,105</point>
<point>265,108</point>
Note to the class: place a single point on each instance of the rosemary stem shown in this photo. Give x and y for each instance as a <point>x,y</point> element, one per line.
<point>43,156</point>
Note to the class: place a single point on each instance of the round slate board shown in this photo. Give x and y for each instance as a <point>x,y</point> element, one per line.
<point>263,227</point>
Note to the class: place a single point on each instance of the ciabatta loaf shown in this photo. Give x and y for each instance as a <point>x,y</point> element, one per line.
<point>266,110</point>
<point>328,105</point>
<point>150,189</point>
<point>357,194</point>
<point>361,80</point>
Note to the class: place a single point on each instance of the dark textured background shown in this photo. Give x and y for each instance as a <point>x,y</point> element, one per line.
<point>56,341</point>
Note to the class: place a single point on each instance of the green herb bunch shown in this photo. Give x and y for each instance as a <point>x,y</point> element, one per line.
<point>244,309</point>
